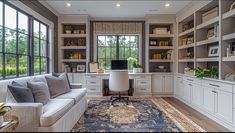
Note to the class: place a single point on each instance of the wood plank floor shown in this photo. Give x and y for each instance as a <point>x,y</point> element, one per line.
<point>200,119</point>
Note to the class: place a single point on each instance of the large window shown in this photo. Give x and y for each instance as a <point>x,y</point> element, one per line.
<point>16,49</point>
<point>112,47</point>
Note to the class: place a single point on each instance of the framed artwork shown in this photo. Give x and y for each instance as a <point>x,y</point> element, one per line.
<point>232,6</point>
<point>93,67</point>
<point>81,68</point>
<point>214,51</point>
<point>210,33</point>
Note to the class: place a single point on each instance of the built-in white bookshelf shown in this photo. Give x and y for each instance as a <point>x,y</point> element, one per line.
<point>223,23</point>
<point>74,46</point>
<point>160,47</point>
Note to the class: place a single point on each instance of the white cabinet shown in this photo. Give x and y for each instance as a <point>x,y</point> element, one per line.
<point>208,99</point>
<point>224,105</point>
<point>197,95</point>
<point>162,84</point>
<point>179,86</point>
<point>187,91</point>
<point>142,85</point>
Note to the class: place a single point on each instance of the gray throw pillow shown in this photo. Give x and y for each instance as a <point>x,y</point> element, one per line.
<point>57,85</point>
<point>21,93</point>
<point>40,91</point>
<point>58,74</point>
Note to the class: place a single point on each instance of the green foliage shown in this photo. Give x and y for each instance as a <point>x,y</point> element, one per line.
<point>211,73</point>
<point>4,109</point>
<point>164,54</point>
<point>134,62</point>
<point>68,27</point>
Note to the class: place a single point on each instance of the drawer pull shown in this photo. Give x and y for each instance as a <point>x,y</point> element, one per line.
<point>143,82</point>
<point>214,85</point>
<point>189,79</point>
<point>142,89</point>
<point>142,77</point>
<point>214,91</point>
<point>190,84</point>
<point>179,77</point>
<point>93,82</point>
<point>93,89</point>
<point>93,77</point>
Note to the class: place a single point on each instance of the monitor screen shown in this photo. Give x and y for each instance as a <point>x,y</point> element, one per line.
<point>119,65</point>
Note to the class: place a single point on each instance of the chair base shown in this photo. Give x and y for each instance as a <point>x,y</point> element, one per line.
<point>119,98</point>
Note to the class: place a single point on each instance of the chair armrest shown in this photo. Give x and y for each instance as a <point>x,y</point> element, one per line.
<point>28,115</point>
<point>76,85</point>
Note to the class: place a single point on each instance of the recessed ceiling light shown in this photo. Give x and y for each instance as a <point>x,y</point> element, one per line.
<point>118,5</point>
<point>167,4</point>
<point>68,4</point>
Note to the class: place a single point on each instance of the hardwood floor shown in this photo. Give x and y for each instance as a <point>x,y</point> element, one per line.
<point>200,119</point>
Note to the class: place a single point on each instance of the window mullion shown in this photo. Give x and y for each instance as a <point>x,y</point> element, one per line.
<point>3,43</point>
<point>117,47</point>
<point>17,44</point>
<point>30,47</point>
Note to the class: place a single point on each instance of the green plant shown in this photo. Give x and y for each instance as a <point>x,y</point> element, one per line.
<point>134,62</point>
<point>164,55</point>
<point>4,109</point>
<point>211,73</point>
<point>68,27</point>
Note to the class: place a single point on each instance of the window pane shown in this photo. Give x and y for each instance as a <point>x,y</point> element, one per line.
<point>111,41</point>
<point>1,37</point>
<point>23,65</point>
<point>101,63</point>
<point>10,62</point>
<point>23,23</point>
<point>36,65</point>
<point>101,52</point>
<point>101,40</point>
<point>36,46</point>
<point>36,28</point>
<point>1,65</point>
<point>43,32</point>
<point>23,44</point>
<point>10,17</point>
<point>1,13</point>
<point>43,65</point>
<point>10,41</point>
<point>113,53</point>
<point>121,52</point>
<point>43,48</point>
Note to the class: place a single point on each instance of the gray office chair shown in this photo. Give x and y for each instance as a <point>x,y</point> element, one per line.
<point>119,82</point>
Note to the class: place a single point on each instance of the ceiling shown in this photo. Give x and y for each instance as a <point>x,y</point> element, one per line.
<point>107,8</point>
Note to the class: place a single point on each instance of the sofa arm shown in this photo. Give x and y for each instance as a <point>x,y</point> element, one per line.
<point>28,115</point>
<point>76,85</point>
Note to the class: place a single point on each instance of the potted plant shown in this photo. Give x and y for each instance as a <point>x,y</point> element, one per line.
<point>3,110</point>
<point>213,72</point>
<point>137,68</point>
<point>164,55</point>
<point>68,29</point>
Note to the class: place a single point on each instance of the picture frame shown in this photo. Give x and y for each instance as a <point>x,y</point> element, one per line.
<point>81,68</point>
<point>210,33</point>
<point>232,6</point>
<point>213,51</point>
<point>93,67</point>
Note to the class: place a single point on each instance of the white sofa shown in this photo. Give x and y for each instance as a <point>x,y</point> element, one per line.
<point>58,115</point>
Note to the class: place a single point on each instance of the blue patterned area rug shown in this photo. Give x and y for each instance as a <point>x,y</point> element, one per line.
<point>141,115</point>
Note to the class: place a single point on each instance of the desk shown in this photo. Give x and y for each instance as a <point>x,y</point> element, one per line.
<point>94,82</point>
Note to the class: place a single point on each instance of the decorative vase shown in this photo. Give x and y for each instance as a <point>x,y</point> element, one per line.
<point>68,32</point>
<point>135,70</point>
<point>1,120</point>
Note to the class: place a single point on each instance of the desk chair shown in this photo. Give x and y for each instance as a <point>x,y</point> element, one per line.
<point>119,82</point>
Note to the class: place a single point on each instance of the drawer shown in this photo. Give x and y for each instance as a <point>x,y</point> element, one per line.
<point>92,77</point>
<point>92,81</point>
<point>143,82</point>
<point>192,80</point>
<point>143,88</point>
<point>143,77</point>
<point>218,85</point>
<point>93,88</point>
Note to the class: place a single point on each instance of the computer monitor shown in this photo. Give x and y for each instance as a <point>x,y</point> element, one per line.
<point>119,65</point>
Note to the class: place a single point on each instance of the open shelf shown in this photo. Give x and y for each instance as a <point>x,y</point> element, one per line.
<point>161,47</point>
<point>232,58</point>
<point>161,36</point>
<point>73,47</point>
<point>229,37</point>
<point>229,14</point>
<point>190,31</point>
<point>209,41</point>
<point>151,60</point>
<point>186,60</point>
<point>215,59</point>
<point>209,23</point>
<point>73,35</point>
<point>186,46</point>
<point>73,60</point>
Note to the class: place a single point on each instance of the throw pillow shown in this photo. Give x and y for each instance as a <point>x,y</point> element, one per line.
<point>40,91</point>
<point>57,85</point>
<point>58,74</point>
<point>21,93</point>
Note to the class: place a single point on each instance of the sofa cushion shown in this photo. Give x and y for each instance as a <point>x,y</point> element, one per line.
<point>75,94</point>
<point>54,110</point>
<point>58,75</point>
<point>57,85</point>
<point>40,90</point>
<point>21,93</point>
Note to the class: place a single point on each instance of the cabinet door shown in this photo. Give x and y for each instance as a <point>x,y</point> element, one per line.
<point>179,86</point>
<point>208,99</point>
<point>197,95</point>
<point>187,91</point>
<point>168,84</point>
<point>157,84</point>
<point>224,107</point>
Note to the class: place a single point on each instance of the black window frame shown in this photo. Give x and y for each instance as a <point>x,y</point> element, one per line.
<point>117,47</point>
<point>29,34</point>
